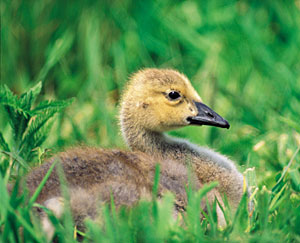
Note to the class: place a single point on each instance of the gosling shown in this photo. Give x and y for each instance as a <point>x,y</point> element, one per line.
<point>154,101</point>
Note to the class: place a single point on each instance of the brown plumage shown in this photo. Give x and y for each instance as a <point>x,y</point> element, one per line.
<point>154,101</point>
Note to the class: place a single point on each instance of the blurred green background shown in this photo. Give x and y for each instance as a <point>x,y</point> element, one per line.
<point>242,56</point>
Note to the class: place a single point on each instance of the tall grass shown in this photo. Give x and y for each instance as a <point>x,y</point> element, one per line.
<point>242,56</point>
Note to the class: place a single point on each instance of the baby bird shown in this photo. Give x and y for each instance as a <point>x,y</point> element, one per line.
<point>154,101</point>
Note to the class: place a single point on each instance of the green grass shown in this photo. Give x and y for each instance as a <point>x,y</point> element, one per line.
<point>242,56</point>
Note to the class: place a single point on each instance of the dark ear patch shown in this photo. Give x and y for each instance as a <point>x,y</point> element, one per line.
<point>145,105</point>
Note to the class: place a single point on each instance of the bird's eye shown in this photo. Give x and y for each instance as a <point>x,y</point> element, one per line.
<point>173,95</point>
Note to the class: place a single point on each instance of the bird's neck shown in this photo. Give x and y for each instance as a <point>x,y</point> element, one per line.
<point>155,144</point>
<point>143,140</point>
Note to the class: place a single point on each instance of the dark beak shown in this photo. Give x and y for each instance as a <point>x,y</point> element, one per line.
<point>207,116</point>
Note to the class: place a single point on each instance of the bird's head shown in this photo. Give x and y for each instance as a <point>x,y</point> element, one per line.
<point>163,99</point>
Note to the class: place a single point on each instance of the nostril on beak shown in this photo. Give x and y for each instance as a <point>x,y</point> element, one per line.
<point>209,114</point>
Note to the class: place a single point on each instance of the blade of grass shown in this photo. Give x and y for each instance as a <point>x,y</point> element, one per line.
<point>276,198</point>
<point>286,168</point>
<point>24,223</point>
<point>42,183</point>
<point>156,181</point>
